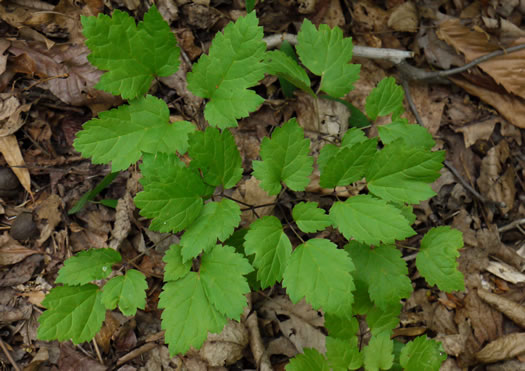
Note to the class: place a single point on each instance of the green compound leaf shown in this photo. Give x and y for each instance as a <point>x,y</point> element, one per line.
<point>422,354</point>
<point>436,260</point>
<point>386,320</point>
<point>343,354</point>
<point>132,55</point>
<point>341,327</point>
<point>172,196</point>
<point>188,315</point>
<point>383,270</point>
<point>320,273</point>
<point>346,164</point>
<point>378,354</point>
<point>284,158</point>
<point>272,248</point>
<point>310,359</point>
<point>73,312</point>
<point>120,135</point>
<point>222,274</point>
<point>217,220</point>
<point>413,135</point>
<point>310,218</point>
<point>386,98</point>
<point>87,266</point>
<point>175,268</point>
<point>233,65</point>
<point>283,66</point>
<point>128,291</point>
<point>216,154</point>
<point>403,174</point>
<point>370,220</point>
<point>326,53</point>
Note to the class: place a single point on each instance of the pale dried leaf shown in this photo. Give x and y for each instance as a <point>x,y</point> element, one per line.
<point>404,18</point>
<point>511,309</point>
<point>11,252</point>
<point>49,211</point>
<point>226,348</point>
<point>506,347</point>
<point>479,130</point>
<point>505,272</point>
<point>249,192</point>
<point>10,110</point>
<point>474,44</point>
<point>13,156</point>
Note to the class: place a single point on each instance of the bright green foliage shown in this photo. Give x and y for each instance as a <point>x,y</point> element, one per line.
<point>436,260</point>
<point>310,218</point>
<point>384,270</point>
<point>348,163</point>
<point>413,135</point>
<point>341,327</point>
<point>279,64</point>
<point>327,54</point>
<point>272,248</point>
<point>133,55</point>
<point>159,166</point>
<point>173,198</point>
<point>403,174</point>
<point>87,266</point>
<point>310,359</point>
<point>188,314</point>
<point>378,353</point>
<point>422,354</point>
<point>222,275</point>
<point>175,268</point>
<point>216,221</point>
<point>320,272</point>
<point>233,65</point>
<point>120,135</point>
<point>386,320</point>
<point>370,220</point>
<point>284,159</point>
<point>217,156</point>
<point>343,354</point>
<point>73,312</point>
<point>386,98</point>
<point>128,291</point>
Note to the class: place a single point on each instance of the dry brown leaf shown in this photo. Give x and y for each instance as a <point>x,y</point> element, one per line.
<point>430,102</point>
<point>249,192</point>
<point>404,18</point>
<point>11,252</point>
<point>474,44</point>
<point>511,309</point>
<point>509,106</point>
<point>227,347</point>
<point>49,211</point>
<point>303,323</point>
<point>10,110</point>
<point>479,130</point>
<point>11,152</point>
<point>109,328</point>
<point>493,182</point>
<point>506,347</point>
<point>123,214</point>
<point>505,272</point>
<point>4,45</point>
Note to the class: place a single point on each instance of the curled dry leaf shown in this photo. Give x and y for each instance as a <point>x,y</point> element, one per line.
<point>227,347</point>
<point>473,44</point>
<point>13,156</point>
<point>404,18</point>
<point>249,192</point>
<point>10,110</point>
<point>493,182</point>
<point>506,347</point>
<point>511,309</point>
<point>11,252</point>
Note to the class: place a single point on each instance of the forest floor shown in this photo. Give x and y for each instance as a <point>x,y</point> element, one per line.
<point>477,116</point>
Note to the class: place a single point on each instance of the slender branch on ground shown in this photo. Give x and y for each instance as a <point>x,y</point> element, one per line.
<point>393,55</point>
<point>259,206</point>
<point>512,225</point>
<point>8,356</point>
<point>289,224</point>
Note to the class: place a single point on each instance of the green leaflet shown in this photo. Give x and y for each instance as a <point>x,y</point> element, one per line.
<point>234,64</point>
<point>284,159</point>
<point>436,260</point>
<point>279,64</point>
<point>73,312</point>
<point>309,217</point>
<point>87,266</point>
<point>121,135</point>
<point>378,354</point>
<point>128,291</point>
<point>386,98</point>
<point>310,359</point>
<point>422,354</point>
<point>133,55</point>
<point>327,54</point>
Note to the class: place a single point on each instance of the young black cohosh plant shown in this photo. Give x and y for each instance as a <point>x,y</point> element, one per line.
<point>366,277</point>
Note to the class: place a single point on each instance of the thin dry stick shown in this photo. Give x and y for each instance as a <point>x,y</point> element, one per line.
<point>8,355</point>
<point>392,55</point>
<point>99,356</point>
<point>514,224</point>
<point>135,353</point>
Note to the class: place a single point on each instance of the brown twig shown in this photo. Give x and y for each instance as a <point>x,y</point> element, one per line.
<point>8,356</point>
<point>135,353</point>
